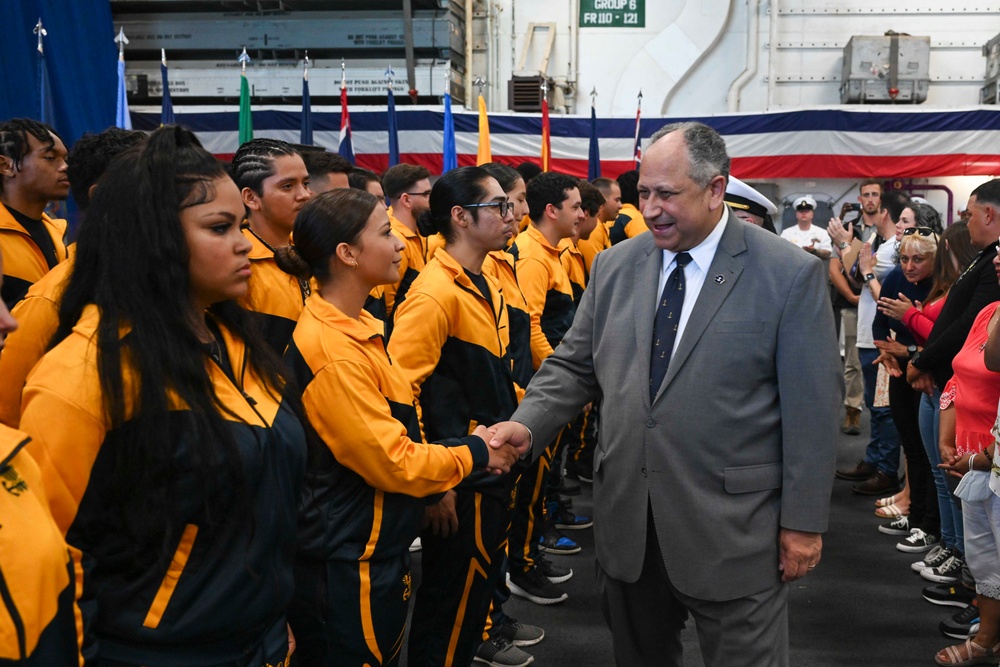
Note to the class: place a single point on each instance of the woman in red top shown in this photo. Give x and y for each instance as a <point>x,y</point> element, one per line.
<point>969,404</point>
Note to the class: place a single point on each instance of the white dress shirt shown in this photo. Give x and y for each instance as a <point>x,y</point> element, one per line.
<point>694,273</point>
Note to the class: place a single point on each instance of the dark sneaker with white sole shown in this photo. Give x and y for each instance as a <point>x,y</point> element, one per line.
<point>551,571</point>
<point>532,585</point>
<point>947,572</point>
<point>918,542</point>
<point>900,526</point>
<point>555,542</point>
<point>963,624</point>
<point>949,595</point>
<point>500,652</point>
<point>932,558</point>
<point>520,634</point>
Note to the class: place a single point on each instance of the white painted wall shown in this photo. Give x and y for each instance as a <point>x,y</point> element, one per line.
<point>690,52</point>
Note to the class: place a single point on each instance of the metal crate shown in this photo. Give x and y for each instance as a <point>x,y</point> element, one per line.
<point>886,69</point>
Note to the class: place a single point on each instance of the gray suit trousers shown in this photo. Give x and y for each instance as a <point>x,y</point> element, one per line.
<point>646,619</point>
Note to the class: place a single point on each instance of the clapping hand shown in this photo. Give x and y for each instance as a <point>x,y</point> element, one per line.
<point>837,232</point>
<point>866,259</point>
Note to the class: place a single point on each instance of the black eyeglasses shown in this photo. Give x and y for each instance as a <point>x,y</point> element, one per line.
<point>504,207</point>
<point>923,231</point>
<point>425,193</point>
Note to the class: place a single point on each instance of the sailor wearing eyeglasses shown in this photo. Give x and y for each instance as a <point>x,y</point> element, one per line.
<point>450,339</point>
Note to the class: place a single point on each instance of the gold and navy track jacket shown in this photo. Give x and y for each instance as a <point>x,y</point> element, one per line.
<point>500,264</point>
<point>434,243</point>
<point>365,497</point>
<point>627,225</point>
<point>37,622</point>
<point>23,262</point>
<point>547,291</point>
<point>589,247</point>
<point>216,590</point>
<point>414,257</point>
<point>451,344</point>
<point>37,316</point>
<point>572,260</point>
<point>274,297</point>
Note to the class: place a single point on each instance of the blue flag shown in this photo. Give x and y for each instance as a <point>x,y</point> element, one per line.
<point>306,130</point>
<point>123,118</point>
<point>393,132</point>
<point>594,161</point>
<point>449,152</point>
<point>167,110</point>
<point>46,112</point>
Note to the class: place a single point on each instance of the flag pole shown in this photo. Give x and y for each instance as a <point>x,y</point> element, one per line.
<point>246,115</point>
<point>123,118</point>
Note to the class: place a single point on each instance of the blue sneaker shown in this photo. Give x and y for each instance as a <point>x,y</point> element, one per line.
<point>555,542</point>
<point>563,519</point>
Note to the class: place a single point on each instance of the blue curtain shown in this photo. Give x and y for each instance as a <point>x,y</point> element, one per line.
<point>80,54</point>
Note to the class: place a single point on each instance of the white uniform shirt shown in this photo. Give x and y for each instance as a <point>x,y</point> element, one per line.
<point>805,238</point>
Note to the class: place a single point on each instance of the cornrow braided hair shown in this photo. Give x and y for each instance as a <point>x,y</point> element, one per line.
<point>254,162</point>
<point>14,137</point>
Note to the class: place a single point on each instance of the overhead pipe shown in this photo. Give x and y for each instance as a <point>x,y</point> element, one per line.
<point>753,57</point>
<point>468,54</point>
<point>772,51</point>
<point>411,67</point>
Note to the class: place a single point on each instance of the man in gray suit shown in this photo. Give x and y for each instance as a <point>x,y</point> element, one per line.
<point>711,482</point>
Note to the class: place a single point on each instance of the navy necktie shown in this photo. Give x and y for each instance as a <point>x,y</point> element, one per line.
<point>668,315</point>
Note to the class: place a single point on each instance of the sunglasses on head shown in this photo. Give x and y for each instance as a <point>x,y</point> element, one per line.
<point>504,207</point>
<point>922,231</point>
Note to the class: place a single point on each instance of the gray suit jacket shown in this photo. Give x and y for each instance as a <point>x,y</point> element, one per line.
<point>739,441</point>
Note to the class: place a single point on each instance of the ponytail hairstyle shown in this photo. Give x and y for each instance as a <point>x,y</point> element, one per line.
<point>254,162</point>
<point>326,221</point>
<point>132,262</point>
<point>458,187</point>
<point>954,246</point>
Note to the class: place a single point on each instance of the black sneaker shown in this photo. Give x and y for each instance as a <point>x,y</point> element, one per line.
<point>554,573</point>
<point>555,542</point>
<point>900,526</point>
<point>532,585</point>
<point>960,626</point>
<point>965,576</point>
<point>563,519</point>
<point>917,542</point>
<point>500,652</point>
<point>519,634</point>
<point>947,572</point>
<point>580,471</point>
<point>949,595</point>
<point>568,487</point>
<point>932,558</point>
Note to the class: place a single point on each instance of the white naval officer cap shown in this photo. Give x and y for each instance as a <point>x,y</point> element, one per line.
<point>742,196</point>
<point>804,202</point>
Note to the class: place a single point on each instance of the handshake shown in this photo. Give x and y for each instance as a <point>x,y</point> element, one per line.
<point>506,443</point>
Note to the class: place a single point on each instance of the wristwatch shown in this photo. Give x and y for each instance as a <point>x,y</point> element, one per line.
<point>911,350</point>
<point>842,244</point>
<point>869,277</point>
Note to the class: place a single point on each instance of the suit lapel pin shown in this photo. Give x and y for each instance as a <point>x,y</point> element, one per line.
<point>719,279</point>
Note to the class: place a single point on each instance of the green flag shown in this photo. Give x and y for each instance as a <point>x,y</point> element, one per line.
<point>246,117</point>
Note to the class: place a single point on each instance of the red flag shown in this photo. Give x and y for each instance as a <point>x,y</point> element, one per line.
<point>546,135</point>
